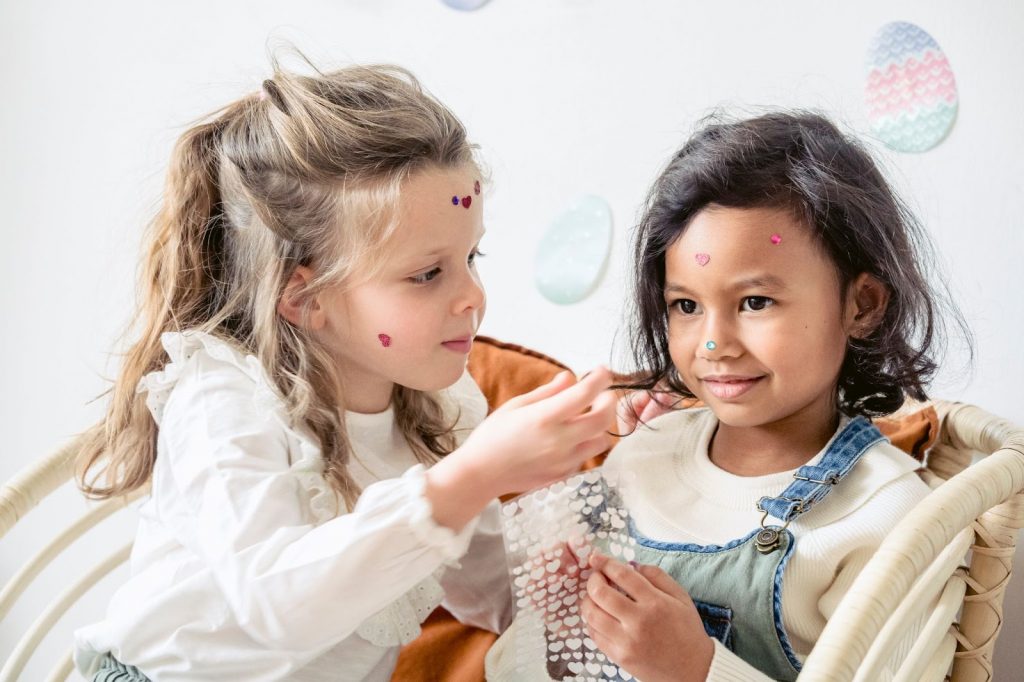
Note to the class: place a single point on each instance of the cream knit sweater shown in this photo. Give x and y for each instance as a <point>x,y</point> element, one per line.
<point>678,495</point>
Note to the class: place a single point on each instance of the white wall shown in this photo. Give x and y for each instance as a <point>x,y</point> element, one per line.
<point>564,96</point>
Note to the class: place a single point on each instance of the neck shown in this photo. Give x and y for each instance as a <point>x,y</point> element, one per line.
<point>770,448</point>
<point>365,393</point>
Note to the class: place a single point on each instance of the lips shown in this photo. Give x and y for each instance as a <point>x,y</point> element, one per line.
<point>460,345</point>
<point>729,387</point>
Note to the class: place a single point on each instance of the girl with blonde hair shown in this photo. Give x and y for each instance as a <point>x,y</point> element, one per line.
<point>297,395</point>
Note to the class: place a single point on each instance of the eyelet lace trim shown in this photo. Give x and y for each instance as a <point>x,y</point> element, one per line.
<point>398,623</point>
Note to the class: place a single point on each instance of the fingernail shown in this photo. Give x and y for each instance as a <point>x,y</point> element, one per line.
<point>635,565</point>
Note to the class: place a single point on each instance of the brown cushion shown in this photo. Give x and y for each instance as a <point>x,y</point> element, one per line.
<point>449,651</point>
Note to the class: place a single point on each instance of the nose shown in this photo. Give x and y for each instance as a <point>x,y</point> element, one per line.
<point>470,295</point>
<point>718,339</point>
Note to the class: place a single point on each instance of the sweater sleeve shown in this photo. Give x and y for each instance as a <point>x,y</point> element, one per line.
<point>728,667</point>
<point>290,584</point>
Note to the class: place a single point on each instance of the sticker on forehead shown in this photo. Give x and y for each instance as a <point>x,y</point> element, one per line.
<point>702,258</point>
<point>385,340</point>
<point>776,238</point>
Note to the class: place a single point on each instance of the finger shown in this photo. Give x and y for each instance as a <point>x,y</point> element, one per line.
<point>558,383</point>
<point>589,448</point>
<point>639,400</point>
<point>574,399</point>
<point>626,412</point>
<point>595,421</point>
<point>623,576</point>
<point>664,582</point>
<point>654,408</point>
<point>600,623</point>
<point>604,594</point>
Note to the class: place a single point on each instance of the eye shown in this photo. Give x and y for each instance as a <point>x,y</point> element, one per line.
<point>757,303</point>
<point>426,276</point>
<point>477,253</point>
<point>686,306</point>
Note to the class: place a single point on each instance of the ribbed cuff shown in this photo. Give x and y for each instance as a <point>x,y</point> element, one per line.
<point>728,667</point>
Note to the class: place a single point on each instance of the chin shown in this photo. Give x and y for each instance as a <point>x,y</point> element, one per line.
<point>436,380</point>
<point>739,416</point>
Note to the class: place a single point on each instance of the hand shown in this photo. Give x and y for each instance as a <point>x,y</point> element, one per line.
<point>531,440</point>
<point>646,622</point>
<point>642,406</point>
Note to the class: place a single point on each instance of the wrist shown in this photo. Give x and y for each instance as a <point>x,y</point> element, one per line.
<point>457,491</point>
<point>700,664</point>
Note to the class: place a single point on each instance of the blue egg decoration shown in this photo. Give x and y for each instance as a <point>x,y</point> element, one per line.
<point>573,252</point>
<point>466,5</point>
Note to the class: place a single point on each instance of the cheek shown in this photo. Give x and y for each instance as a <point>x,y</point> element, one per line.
<point>814,352</point>
<point>681,344</point>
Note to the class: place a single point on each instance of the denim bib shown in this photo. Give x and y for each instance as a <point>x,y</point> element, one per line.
<point>737,587</point>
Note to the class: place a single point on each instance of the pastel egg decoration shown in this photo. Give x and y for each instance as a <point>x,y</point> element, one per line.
<point>910,91</point>
<point>466,5</point>
<point>573,252</point>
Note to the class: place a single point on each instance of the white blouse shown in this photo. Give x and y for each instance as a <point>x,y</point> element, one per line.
<point>246,565</point>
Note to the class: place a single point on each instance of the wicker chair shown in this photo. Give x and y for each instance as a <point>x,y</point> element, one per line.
<point>19,496</point>
<point>977,507</point>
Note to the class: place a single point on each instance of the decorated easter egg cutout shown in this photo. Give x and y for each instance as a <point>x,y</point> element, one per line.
<point>572,255</point>
<point>910,92</point>
<point>466,5</point>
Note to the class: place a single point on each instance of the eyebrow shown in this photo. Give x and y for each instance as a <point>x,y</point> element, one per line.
<point>437,253</point>
<point>770,282</point>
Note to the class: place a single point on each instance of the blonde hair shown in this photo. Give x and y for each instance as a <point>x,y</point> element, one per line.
<point>306,172</point>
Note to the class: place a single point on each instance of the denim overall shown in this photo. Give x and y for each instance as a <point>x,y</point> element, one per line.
<point>737,587</point>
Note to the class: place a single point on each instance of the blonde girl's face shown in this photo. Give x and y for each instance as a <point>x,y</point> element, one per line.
<point>756,325</point>
<point>413,324</point>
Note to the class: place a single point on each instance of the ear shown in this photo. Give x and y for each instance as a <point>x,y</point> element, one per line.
<point>866,301</point>
<point>294,302</point>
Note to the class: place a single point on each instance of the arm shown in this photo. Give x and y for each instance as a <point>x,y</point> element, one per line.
<point>293,585</point>
<point>239,508</point>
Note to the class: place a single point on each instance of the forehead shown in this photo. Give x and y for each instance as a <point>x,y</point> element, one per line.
<point>722,244</point>
<point>433,210</point>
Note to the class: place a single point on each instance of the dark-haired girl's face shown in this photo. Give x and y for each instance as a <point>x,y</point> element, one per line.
<point>756,323</point>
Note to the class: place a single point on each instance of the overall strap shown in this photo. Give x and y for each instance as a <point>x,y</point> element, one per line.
<point>814,483</point>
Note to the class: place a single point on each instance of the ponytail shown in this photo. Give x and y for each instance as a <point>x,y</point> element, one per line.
<point>179,291</point>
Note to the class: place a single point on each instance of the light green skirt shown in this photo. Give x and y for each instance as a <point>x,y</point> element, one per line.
<point>112,670</point>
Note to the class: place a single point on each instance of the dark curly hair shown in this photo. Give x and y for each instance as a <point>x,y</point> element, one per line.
<point>802,161</point>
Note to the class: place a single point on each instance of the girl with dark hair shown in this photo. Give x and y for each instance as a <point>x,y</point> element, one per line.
<point>780,282</point>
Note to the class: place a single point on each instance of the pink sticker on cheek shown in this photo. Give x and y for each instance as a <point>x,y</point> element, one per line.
<point>385,340</point>
<point>776,238</point>
<point>702,259</point>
